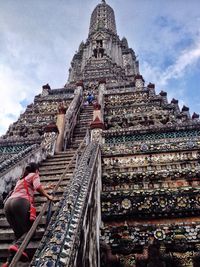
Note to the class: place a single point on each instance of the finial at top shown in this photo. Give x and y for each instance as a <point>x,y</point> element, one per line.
<point>103,1</point>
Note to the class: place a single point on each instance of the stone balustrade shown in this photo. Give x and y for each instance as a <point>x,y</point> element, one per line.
<point>73,239</point>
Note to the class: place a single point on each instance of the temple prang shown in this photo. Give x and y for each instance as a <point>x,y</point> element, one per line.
<point>126,168</point>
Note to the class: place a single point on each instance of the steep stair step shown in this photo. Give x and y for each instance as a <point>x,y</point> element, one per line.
<point>62,156</point>
<point>8,234</point>
<point>55,163</point>
<point>33,245</point>
<point>54,178</point>
<point>57,160</point>
<point>55,167</point>
<point>54,172</point>
<point>4,223</point>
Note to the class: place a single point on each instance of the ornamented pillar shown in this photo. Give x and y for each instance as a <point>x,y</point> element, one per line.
<point>139,82</point>
<point>61,127</point>
<point>97,125</point>
<point>185,111</point>
<point>102,89</point>
<point>45,89</point>
<point>164,97</point>
<point>151,88</point>
<point>51,132</point>
<point>174,102</point>
<point>79,88</point>
<point>195,117</point>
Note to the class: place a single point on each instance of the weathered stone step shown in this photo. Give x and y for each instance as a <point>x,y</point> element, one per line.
<point>76,140</point>
<point>84,122</point>
<point>81,126</point>
<point>55,172</point>
<point>80,134</point>
<point>87,111</point>
<point>8,234</point>
<point>4,223</point>
<point>87,114</point>
<point>66,153</point>
<point>55,178</point>
<point>56,163</point>
<point>86,108</point>
<point>75,146</point>
<point>33,245</point>
<point>80,131</point>
<point>62,156</point>
<point>85,118</point>
<point>55,167</point>
<point>40,199</point>
<point>58,192</point>
<point>57,160</point>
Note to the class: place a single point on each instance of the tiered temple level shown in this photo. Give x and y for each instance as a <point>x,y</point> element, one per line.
<point>150,176</point>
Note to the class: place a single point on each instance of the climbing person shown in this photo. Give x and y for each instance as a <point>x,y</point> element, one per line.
<point>18,208</point>
<point>90,98</point>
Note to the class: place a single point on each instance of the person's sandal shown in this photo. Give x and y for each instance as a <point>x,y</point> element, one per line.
<point>15,248</point>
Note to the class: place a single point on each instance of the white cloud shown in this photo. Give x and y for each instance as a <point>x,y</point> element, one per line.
<point>14,88</point>
<point>186,59</point>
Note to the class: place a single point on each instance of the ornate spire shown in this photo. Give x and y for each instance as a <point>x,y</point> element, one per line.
<point>103,18</point>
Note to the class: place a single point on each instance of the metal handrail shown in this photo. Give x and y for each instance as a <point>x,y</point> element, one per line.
<point>36,222</point>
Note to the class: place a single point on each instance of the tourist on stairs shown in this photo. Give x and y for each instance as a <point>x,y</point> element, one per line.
<point>90,98</point>
<point>17,208</point>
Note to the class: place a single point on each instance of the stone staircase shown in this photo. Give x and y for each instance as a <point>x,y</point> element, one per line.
<point>50,171</point>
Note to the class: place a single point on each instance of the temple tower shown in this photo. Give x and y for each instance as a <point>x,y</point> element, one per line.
<point>133,197</point>
<point>104,54</point>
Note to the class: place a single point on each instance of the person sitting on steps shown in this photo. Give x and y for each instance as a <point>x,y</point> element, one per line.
<point>90,98</point>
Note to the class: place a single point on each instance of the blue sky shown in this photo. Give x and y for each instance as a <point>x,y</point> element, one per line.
<point>39,38</point>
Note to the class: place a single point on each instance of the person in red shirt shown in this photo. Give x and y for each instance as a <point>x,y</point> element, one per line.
<point>17,207</point>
